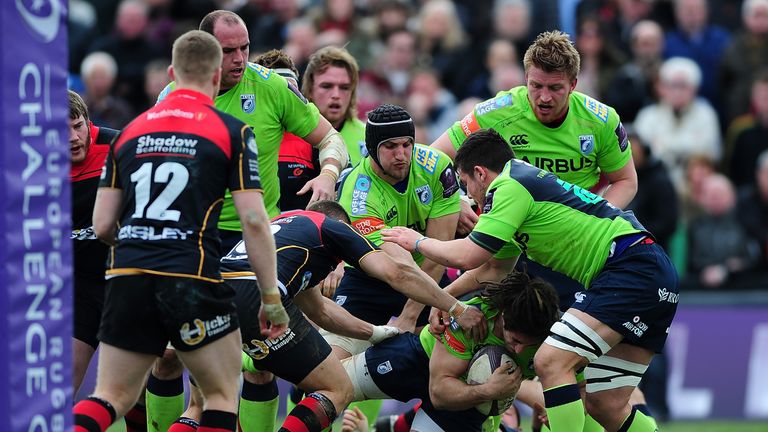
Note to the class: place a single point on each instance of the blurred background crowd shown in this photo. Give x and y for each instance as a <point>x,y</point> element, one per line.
<point>689,79</point>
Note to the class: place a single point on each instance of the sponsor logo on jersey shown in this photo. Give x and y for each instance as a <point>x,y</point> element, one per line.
<point>259,349</point>
<point>368,225</point>
<point>149,233</point>
<point>84,234</point>
<point>636,326</point>
<point>171,144</point>
<point>424,193</point>
<point>248,102</point>
<point>305,280</point>
<point>455,344</point>
<point>493,104</point>
<point>340,300</point>
<point>296,92</point>
<point>518,139</point>
<point>559,166</point>
<point>621,135</point>
<point>427,159</point>
<point>586,144</point>
<point>384,368</point>
<point>449,181</point>
<point>156,115</point>
<point>363,148</point>
<point>260,70</point>
<point>668,296</point>
<point>360,194</point>
<point>599,109</point>
<point>43,17</point>
<point>469,124</point>
<point>193,334</point>
<point>579,296</point>
<point>488,201</point>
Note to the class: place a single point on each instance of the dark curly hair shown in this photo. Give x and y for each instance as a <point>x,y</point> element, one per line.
<point>528,305</point>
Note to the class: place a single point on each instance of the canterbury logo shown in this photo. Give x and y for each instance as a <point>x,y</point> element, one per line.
<point>518,139</point>
<point>668,296</point>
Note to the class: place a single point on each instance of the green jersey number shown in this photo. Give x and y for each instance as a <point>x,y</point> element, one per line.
<point>583,194</point>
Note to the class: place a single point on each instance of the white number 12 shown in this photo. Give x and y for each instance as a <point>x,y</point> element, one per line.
<point>174,174</point>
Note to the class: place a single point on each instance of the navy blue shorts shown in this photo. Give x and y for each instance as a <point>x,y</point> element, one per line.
<point>635,294</point>
<point>370,299</point>
<point>291,356</point>
<point>400,368</point>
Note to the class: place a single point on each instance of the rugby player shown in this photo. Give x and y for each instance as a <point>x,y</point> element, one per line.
<point>164,179</point>
<point>620,320</point>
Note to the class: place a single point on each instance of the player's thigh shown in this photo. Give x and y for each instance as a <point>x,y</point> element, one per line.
<point>121,375</point>
<point>331,378</point>
<point>215,366</point>
<point>612,378</point>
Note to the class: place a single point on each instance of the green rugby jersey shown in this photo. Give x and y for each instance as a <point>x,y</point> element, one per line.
<point>374,204</point>
<point>557,224</point>
<point>464,348</point>
<point>267,103</point>
<point>353,134</point>
<point>590,140</point>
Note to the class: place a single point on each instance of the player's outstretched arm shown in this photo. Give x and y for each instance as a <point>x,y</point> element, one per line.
<point>449,392</point>
<point>460,253</point>
<point>105,214</point>
<point>335,319</point>
<point>260,246</point>
<point>444,144</point>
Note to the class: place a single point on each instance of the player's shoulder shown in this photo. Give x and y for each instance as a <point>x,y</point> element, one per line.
<point>504,101</point>
<point>354,125</point>
<point>589,108</point>
<point>429,160</point>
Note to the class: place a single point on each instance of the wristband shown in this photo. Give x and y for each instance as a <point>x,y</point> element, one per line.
<point>452,311</point>
<point>416,245</point>
<point>331,170</point>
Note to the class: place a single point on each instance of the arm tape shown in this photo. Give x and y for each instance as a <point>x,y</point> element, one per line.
<point>332,146</point>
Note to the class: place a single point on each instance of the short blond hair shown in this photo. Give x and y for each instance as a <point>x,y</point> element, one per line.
<point>553,51</point>
<point>196,56</point>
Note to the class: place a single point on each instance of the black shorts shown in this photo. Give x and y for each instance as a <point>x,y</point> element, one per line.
<point>88,303</point>
<point>143,312</point>
<point>293,355</point>
<point>229,239</point>
<point>370,299</point>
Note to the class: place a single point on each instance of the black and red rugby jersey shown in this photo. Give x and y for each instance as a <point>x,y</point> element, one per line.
<point>309,246</point>
<point>173,163</point>
<point>90,254</point>
<point>297,163</point>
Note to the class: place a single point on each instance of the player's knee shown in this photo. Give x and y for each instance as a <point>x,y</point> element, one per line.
<point>258,377</point>
<point>602,406</point>
<point>168,366</point>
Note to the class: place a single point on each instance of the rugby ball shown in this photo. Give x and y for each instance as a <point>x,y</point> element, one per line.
<point>483,363</point>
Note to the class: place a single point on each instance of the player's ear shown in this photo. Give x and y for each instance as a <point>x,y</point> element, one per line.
<point>171,74</point>
<point>217,77</point>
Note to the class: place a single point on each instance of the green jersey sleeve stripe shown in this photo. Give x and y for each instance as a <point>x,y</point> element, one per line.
<point>487,242</point>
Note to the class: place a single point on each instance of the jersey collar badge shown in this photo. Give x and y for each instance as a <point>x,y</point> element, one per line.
<point>586,144</point>
<point>248,103</point>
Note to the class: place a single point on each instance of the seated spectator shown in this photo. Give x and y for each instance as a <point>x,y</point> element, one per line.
<point>632,86</point>
<point>599,59</point>
<point>500,52</point>
<point>750,142</point>
<point>696,39</point>
<point>745,55</point>
<point>430,103</point>
<point>680,124</point>
<point>155,80</point>
<point>752,209</point>
<point>99,72</point>
<point>697,169</point>
<point>656,200</point>
<point>721,252</point>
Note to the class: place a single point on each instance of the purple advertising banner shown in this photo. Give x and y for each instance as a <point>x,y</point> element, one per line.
<point>36,270</point>
<point>718,362</point>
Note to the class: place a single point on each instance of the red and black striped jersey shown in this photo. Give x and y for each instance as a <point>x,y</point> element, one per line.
<point>90,254</point>
<point>309,246</point>
<point>173,164</point>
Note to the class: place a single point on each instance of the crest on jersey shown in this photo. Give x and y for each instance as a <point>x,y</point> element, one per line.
<point>425,194</point>
<point>248,102</point>
<point>586,144</point>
